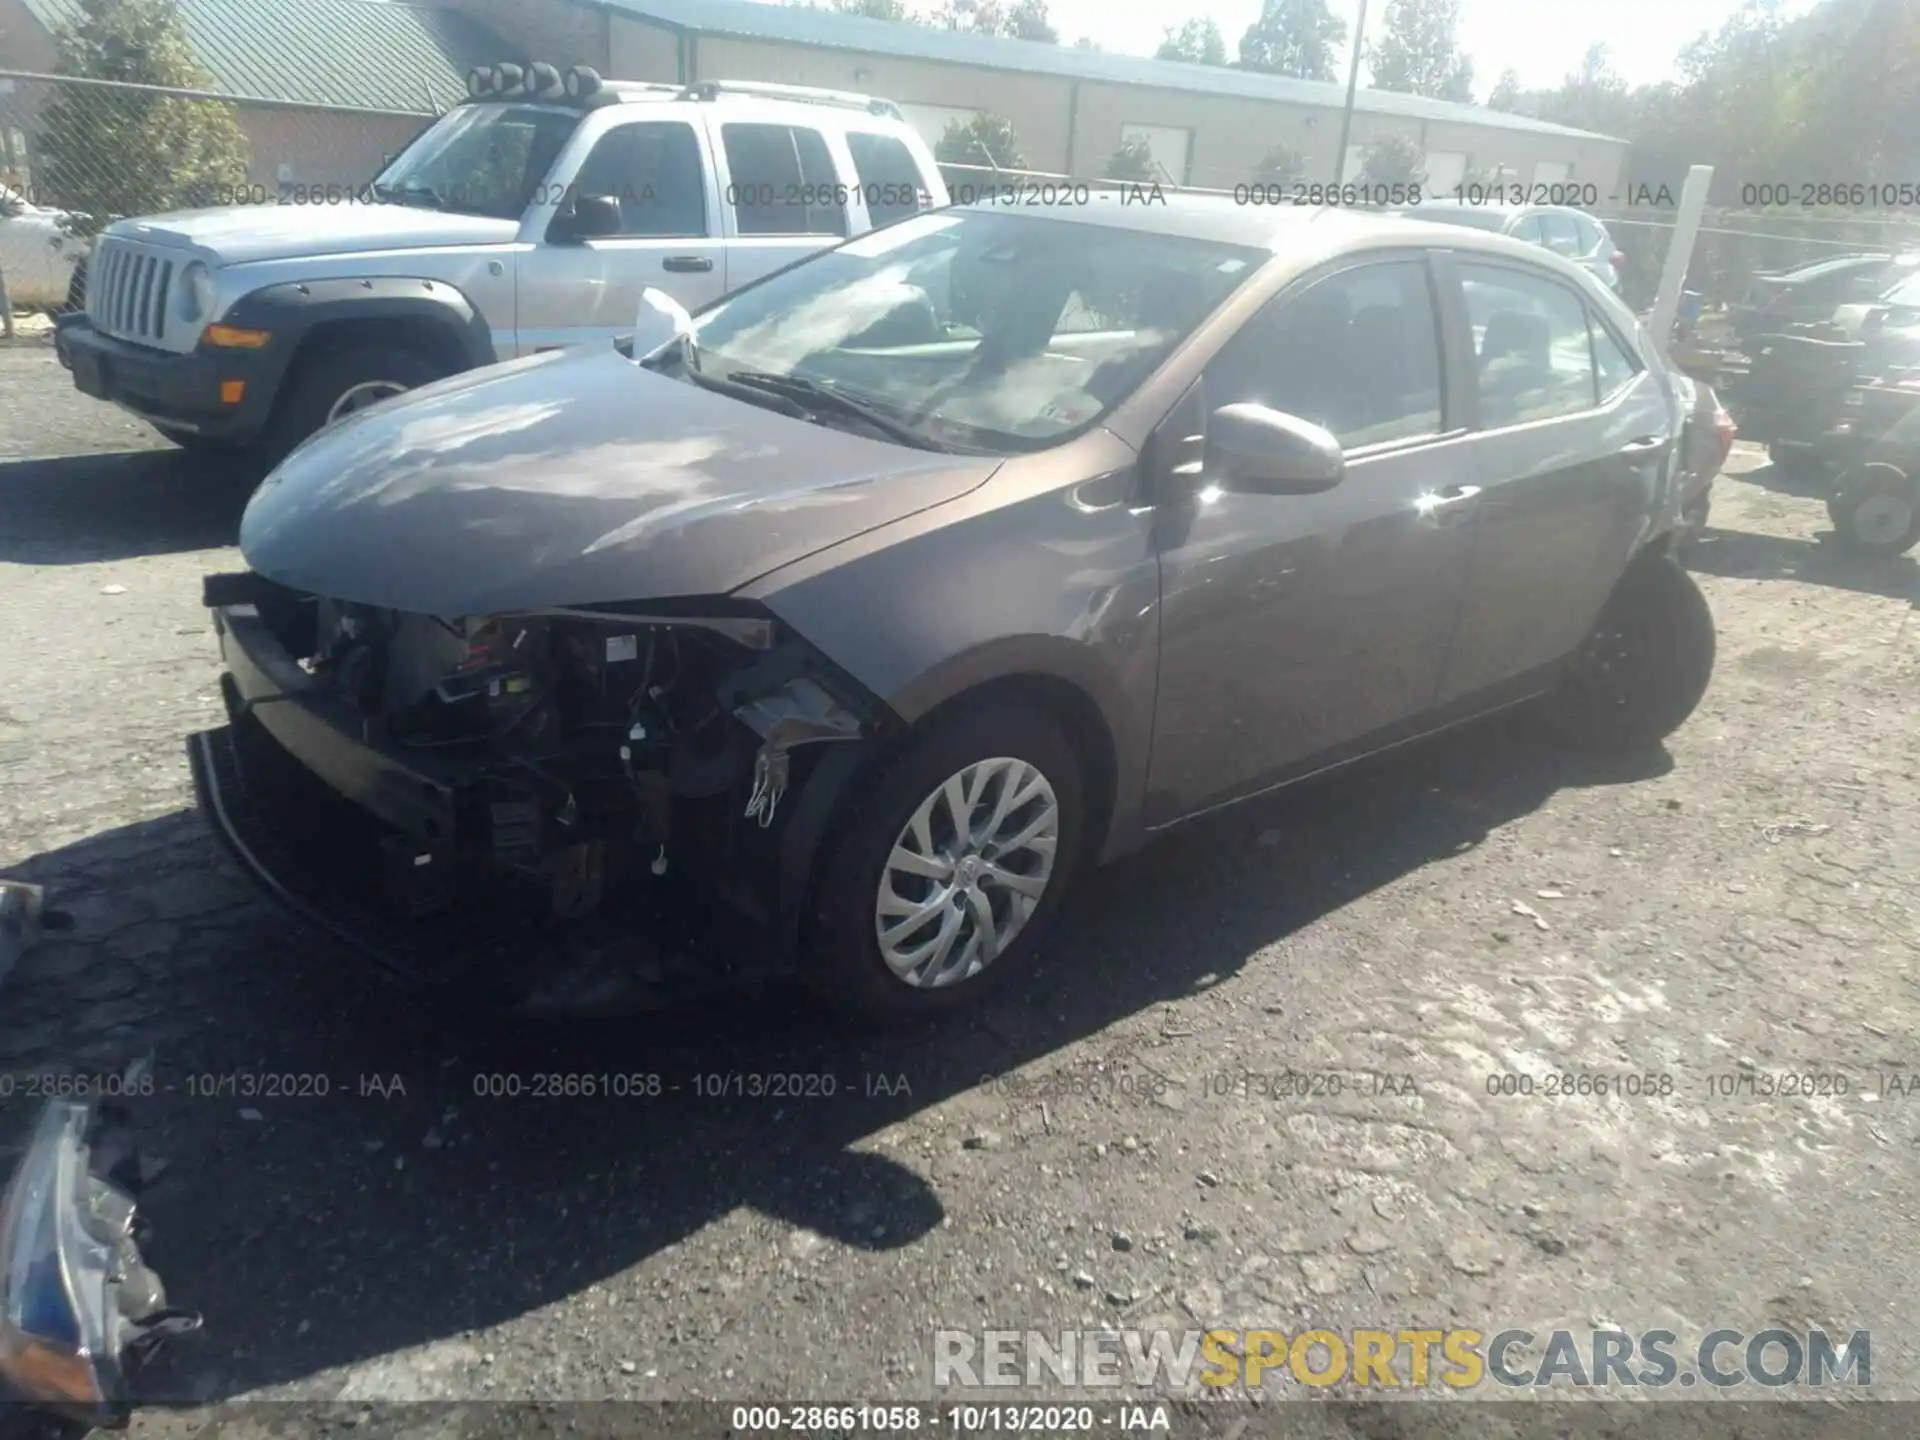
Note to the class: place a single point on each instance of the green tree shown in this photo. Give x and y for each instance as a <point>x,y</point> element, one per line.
<point>1132,161</point>
<point>1294,37</point>
<point>1281,165</point>
<point>1418,52</point>
<point>1506,91</point>
<point>987,140</point>
<point>1197,41</point>
<point>1393,160</point>
<point>1021,20</point>
<point>872,9</point>
<point>108,153</point>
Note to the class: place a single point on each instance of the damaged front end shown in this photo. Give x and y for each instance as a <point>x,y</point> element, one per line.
<point>80,1311</point>
<point>616,793</point>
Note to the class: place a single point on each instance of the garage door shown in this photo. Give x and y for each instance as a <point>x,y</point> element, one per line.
<point>1445,170</point>
<point>932,120</point>
<point>1551,172</point>
<point>1170,146</point>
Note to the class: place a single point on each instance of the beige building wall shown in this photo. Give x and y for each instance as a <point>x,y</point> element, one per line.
<point>312,147</point>
<point>560,32</point>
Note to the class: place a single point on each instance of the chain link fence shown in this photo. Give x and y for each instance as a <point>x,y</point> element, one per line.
<point>77,154</point>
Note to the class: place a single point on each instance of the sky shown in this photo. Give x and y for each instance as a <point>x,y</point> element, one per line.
<point>1542,39</point>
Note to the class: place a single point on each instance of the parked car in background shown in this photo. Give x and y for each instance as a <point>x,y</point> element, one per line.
<point>528,218</point>
<point>1888,327</point>
<point>1814,292</point>
<point>862,610</point>
<point>1572,233</point>
<point>37,253</point>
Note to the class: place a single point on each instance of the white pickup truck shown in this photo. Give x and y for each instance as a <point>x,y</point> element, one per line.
<point>531,216</point>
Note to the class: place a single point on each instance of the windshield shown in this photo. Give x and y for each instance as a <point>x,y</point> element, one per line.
<point>479,160</point>
<point>1905,293</point>
<point>978,329</point>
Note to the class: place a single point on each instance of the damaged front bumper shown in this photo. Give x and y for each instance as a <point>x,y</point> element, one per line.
<point>386,846</point>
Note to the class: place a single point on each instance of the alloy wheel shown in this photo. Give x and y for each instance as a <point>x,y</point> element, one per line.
<point>966,872</point>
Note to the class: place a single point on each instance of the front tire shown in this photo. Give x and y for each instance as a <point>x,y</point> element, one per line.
<point>1876,510</point>
<point>332,387</point>
<point>1644,667</point>
<point>948,875</point>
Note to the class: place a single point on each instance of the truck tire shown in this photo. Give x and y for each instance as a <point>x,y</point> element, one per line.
<point>997,886</point>
<point>330,387</point>
<point>1643,668</point>
<point>1876,510</point>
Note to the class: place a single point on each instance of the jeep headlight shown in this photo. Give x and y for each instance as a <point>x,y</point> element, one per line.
<point>196,293</point>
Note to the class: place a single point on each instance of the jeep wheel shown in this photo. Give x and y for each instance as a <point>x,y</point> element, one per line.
<point>1644,667</point>
<point>1876,510</point>
<point>950,872</point>
<point>332,387</point>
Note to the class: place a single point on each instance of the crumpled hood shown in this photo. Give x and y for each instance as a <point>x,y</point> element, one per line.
<point>238,234</point>
<point>572,479</point>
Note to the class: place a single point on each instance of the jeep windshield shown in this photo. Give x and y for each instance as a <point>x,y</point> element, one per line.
<point>974,330</point>
<point>479,160</point>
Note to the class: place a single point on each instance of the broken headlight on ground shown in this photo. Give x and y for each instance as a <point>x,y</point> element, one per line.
<point>79,1309</point>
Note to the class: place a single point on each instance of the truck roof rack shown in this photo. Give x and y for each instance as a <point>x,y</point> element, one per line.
<point>805,94</point>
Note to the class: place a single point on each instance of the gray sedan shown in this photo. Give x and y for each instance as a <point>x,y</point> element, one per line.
<point>838,631</point>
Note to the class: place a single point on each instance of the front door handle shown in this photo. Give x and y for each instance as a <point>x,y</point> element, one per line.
<point>681,264</point>
<point>1645,445</point>
<point>1450,506</point>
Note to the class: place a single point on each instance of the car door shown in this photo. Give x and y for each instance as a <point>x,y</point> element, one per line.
<point>782,195</point>
<point>1296,627</point>
<point>587,289</point>
<point>1573,437</point>
<point>31,252</point>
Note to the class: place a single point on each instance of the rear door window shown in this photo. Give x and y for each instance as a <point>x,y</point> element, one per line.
<point>889,179</point>
<point>1533,353</point>
<point>782,181</point>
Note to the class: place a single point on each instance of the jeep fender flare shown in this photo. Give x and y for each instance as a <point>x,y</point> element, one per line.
<point>293,310</point>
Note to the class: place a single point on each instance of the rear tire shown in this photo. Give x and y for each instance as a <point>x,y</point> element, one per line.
<point>866,882</point>
<point>1645,666</point>
<point>332,386</point>
<point>1876,510</point>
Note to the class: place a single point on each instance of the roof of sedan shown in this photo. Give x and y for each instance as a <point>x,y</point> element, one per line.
<point>1222,218</point>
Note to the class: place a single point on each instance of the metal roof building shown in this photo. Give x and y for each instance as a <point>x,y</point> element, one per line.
<point>1072,108</point>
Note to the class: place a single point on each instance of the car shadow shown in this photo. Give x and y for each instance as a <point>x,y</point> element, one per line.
<point>1805,482</point>
<point>83,509</point>
<point>1820,560</point>
<point>420,1200</point>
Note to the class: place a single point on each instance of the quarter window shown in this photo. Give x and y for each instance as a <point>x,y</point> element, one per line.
<point>783,181</point>
<point>1357,352</point>
<point>1561,235</point>
<point>1532,351</point>
<point>889,179</point>
<point>654,170</point>
<point>1613,367</point>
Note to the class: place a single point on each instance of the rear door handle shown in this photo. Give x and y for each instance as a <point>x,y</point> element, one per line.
<point>683,263</point>
<point>1449,506</point>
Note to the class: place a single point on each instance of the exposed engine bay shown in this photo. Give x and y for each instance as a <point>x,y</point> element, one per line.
<point>589,752</point>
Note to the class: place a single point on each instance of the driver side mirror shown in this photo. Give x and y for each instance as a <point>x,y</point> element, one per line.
<point>1260,451</point>
<point>660,322</point>
<point>586,217</point>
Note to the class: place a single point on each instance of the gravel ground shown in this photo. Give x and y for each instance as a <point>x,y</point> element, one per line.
<point>1479,906</point>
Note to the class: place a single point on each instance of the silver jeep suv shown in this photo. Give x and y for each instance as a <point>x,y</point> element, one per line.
<point>528,218</point>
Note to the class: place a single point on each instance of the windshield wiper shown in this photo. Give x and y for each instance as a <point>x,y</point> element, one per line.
<point>411,191</point>
<point>813,394</point>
